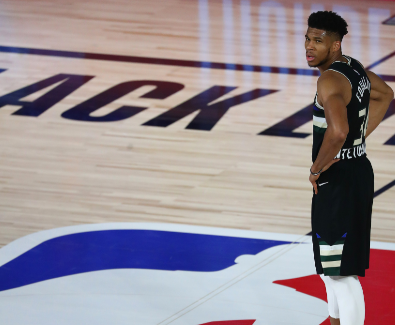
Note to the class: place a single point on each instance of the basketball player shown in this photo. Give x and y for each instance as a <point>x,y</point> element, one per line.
<point>349,104</point>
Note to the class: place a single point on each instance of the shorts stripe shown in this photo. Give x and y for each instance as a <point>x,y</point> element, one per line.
<point>331,248</point>
<point>331,255</point>
<point>331,264</point>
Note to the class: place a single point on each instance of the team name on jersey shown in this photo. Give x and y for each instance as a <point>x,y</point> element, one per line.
<point>364,84</point>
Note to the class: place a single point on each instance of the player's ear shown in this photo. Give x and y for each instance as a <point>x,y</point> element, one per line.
<point>336,46</point>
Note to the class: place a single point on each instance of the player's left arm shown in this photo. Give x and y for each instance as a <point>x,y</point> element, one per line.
<point>334,91</point>
<point>381,96</point>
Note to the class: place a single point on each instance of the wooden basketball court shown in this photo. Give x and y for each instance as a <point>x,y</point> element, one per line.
<point>185,112</point>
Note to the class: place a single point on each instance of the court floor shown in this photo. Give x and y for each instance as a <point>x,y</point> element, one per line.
<point>182,117</point>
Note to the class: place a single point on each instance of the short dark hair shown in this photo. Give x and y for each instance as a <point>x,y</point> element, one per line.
<point>328,21</point>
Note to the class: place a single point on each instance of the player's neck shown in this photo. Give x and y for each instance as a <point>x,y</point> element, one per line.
<point>336,57</point>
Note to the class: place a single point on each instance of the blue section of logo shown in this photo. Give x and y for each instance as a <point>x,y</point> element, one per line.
<point>127,249</point>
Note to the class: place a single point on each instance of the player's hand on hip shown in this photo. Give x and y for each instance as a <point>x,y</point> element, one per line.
<point>313,181</point>
<point>313,178</point>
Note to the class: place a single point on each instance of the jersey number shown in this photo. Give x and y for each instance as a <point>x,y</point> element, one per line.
<point>364,126</point>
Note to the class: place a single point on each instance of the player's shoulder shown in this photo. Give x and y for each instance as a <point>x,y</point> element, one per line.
<point>332,78</point>
<point>333,83</point>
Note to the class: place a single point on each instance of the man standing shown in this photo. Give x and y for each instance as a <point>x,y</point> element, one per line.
<point>349,104</point>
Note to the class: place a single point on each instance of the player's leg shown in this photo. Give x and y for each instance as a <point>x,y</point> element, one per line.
<point>349,296</point>
<point>334,321</point>
<point>332,301</point>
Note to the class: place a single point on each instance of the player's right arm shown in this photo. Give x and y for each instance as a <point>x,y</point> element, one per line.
<point>381,96</point>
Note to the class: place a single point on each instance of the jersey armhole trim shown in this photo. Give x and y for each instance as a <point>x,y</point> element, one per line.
<point>316,101</point>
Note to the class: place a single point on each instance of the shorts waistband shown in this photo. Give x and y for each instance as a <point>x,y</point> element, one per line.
<point>352,153</point>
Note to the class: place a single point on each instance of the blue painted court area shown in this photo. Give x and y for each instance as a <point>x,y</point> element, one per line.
<point>125,273</point>
<point>127,249</point>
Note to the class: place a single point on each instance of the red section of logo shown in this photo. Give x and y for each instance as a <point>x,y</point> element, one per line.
<point>311,285</point>
<point>326,322</point>
<point>378,287</point>
<point>232,322</point>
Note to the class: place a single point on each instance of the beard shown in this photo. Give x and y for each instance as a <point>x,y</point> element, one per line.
<point>323,61</point>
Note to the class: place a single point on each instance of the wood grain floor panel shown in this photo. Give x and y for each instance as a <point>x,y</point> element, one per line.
<point>57,172</point>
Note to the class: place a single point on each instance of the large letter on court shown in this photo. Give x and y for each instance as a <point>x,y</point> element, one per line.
<point>208,115</point>
<point>82,111</point>
<point>70,83</point>
<point>285,127</point>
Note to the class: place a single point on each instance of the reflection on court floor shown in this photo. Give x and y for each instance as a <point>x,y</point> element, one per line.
<point>141,273</point>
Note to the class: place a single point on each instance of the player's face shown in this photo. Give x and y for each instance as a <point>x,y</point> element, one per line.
<point>319,47</point>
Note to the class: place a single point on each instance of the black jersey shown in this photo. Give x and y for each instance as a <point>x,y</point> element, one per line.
<point>357,111</point>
